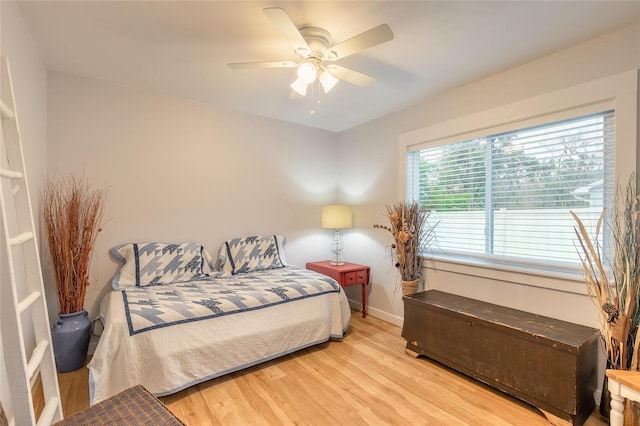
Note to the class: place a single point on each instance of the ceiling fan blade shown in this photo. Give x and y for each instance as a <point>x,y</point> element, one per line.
<point>373,37</point>
<point>285,25</point>
<point>253,65</point>
<point>351,76</point>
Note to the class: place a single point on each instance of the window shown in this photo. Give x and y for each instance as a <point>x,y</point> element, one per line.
<point>524,147</point>
<point>507,196</point>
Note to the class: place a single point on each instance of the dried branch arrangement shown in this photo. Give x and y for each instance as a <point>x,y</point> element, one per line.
<point>411,234</point>
<point>616,298</point>
<point>72,213</point>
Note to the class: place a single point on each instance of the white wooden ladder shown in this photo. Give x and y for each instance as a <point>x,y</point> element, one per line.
<point>22,297</point>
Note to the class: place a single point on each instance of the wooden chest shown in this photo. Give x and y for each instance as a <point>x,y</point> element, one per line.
<point>548,363</point>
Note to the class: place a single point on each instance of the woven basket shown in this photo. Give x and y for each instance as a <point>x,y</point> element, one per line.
<point>410,287</point>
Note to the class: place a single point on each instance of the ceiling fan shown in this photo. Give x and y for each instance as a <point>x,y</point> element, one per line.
<point>316,55</point>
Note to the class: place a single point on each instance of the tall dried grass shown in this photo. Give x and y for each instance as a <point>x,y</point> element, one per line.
<point>616,298</point>
<point>72,213</point>
<point>411,234</point>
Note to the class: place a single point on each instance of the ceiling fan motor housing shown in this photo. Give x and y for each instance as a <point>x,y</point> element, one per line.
<point>318,40</point>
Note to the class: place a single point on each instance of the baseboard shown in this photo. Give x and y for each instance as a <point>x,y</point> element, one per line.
<point>376,313</point>
<point>597,396</point>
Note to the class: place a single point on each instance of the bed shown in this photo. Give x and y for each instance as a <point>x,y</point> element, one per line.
<point>173,320</point>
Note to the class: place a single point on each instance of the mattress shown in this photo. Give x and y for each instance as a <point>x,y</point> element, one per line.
<point>173,336</point>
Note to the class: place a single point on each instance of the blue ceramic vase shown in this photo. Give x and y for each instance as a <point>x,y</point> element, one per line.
<point>70,335</point>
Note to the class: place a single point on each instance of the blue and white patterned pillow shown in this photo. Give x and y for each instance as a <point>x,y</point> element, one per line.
<point>159,263</point>
<point>255,253</point>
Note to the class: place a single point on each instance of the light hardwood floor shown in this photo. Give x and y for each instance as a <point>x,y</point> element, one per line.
<point>365,379</point>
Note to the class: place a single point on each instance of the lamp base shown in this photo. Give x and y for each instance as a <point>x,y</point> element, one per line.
<point>336,248</point>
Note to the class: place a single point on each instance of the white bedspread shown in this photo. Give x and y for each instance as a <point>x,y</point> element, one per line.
<point>168,359</point>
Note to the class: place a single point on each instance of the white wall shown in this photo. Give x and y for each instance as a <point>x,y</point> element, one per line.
<point>181,170</point>
<point>29,77</point>
<point>369,174</point>
<point>172,162</point>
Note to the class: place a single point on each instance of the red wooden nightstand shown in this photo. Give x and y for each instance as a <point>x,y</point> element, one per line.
<point>346,275</point>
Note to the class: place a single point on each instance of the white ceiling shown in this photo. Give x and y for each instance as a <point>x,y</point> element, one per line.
<point>183,47</point>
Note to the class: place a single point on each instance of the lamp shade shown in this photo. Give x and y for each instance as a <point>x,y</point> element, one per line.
<point>336,217</point>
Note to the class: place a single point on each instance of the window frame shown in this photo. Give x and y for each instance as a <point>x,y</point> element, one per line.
<point>617,92</point>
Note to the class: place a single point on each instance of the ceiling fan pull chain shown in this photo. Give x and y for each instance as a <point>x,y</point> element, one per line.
<point>314,102</point>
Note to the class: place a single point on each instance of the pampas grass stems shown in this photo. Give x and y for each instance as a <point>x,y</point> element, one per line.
<point>617,300</point>
<point>411,234</point>
<point>72,213</point>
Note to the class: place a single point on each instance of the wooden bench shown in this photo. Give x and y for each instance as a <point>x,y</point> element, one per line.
<point>548,363</point>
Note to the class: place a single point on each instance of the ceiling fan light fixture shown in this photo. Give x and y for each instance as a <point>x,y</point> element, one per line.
<point>313,47</point>
<point>299,87</point>
<point>307,72</point>
<point>327,81</point>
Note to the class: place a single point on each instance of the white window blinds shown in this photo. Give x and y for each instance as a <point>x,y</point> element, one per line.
<point>507,196</point>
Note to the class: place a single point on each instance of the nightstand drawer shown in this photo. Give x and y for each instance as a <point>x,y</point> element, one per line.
<point>357,277</point>
<point>347,274</point>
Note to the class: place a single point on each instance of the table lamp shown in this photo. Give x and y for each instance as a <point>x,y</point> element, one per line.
<point>336,217</point>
